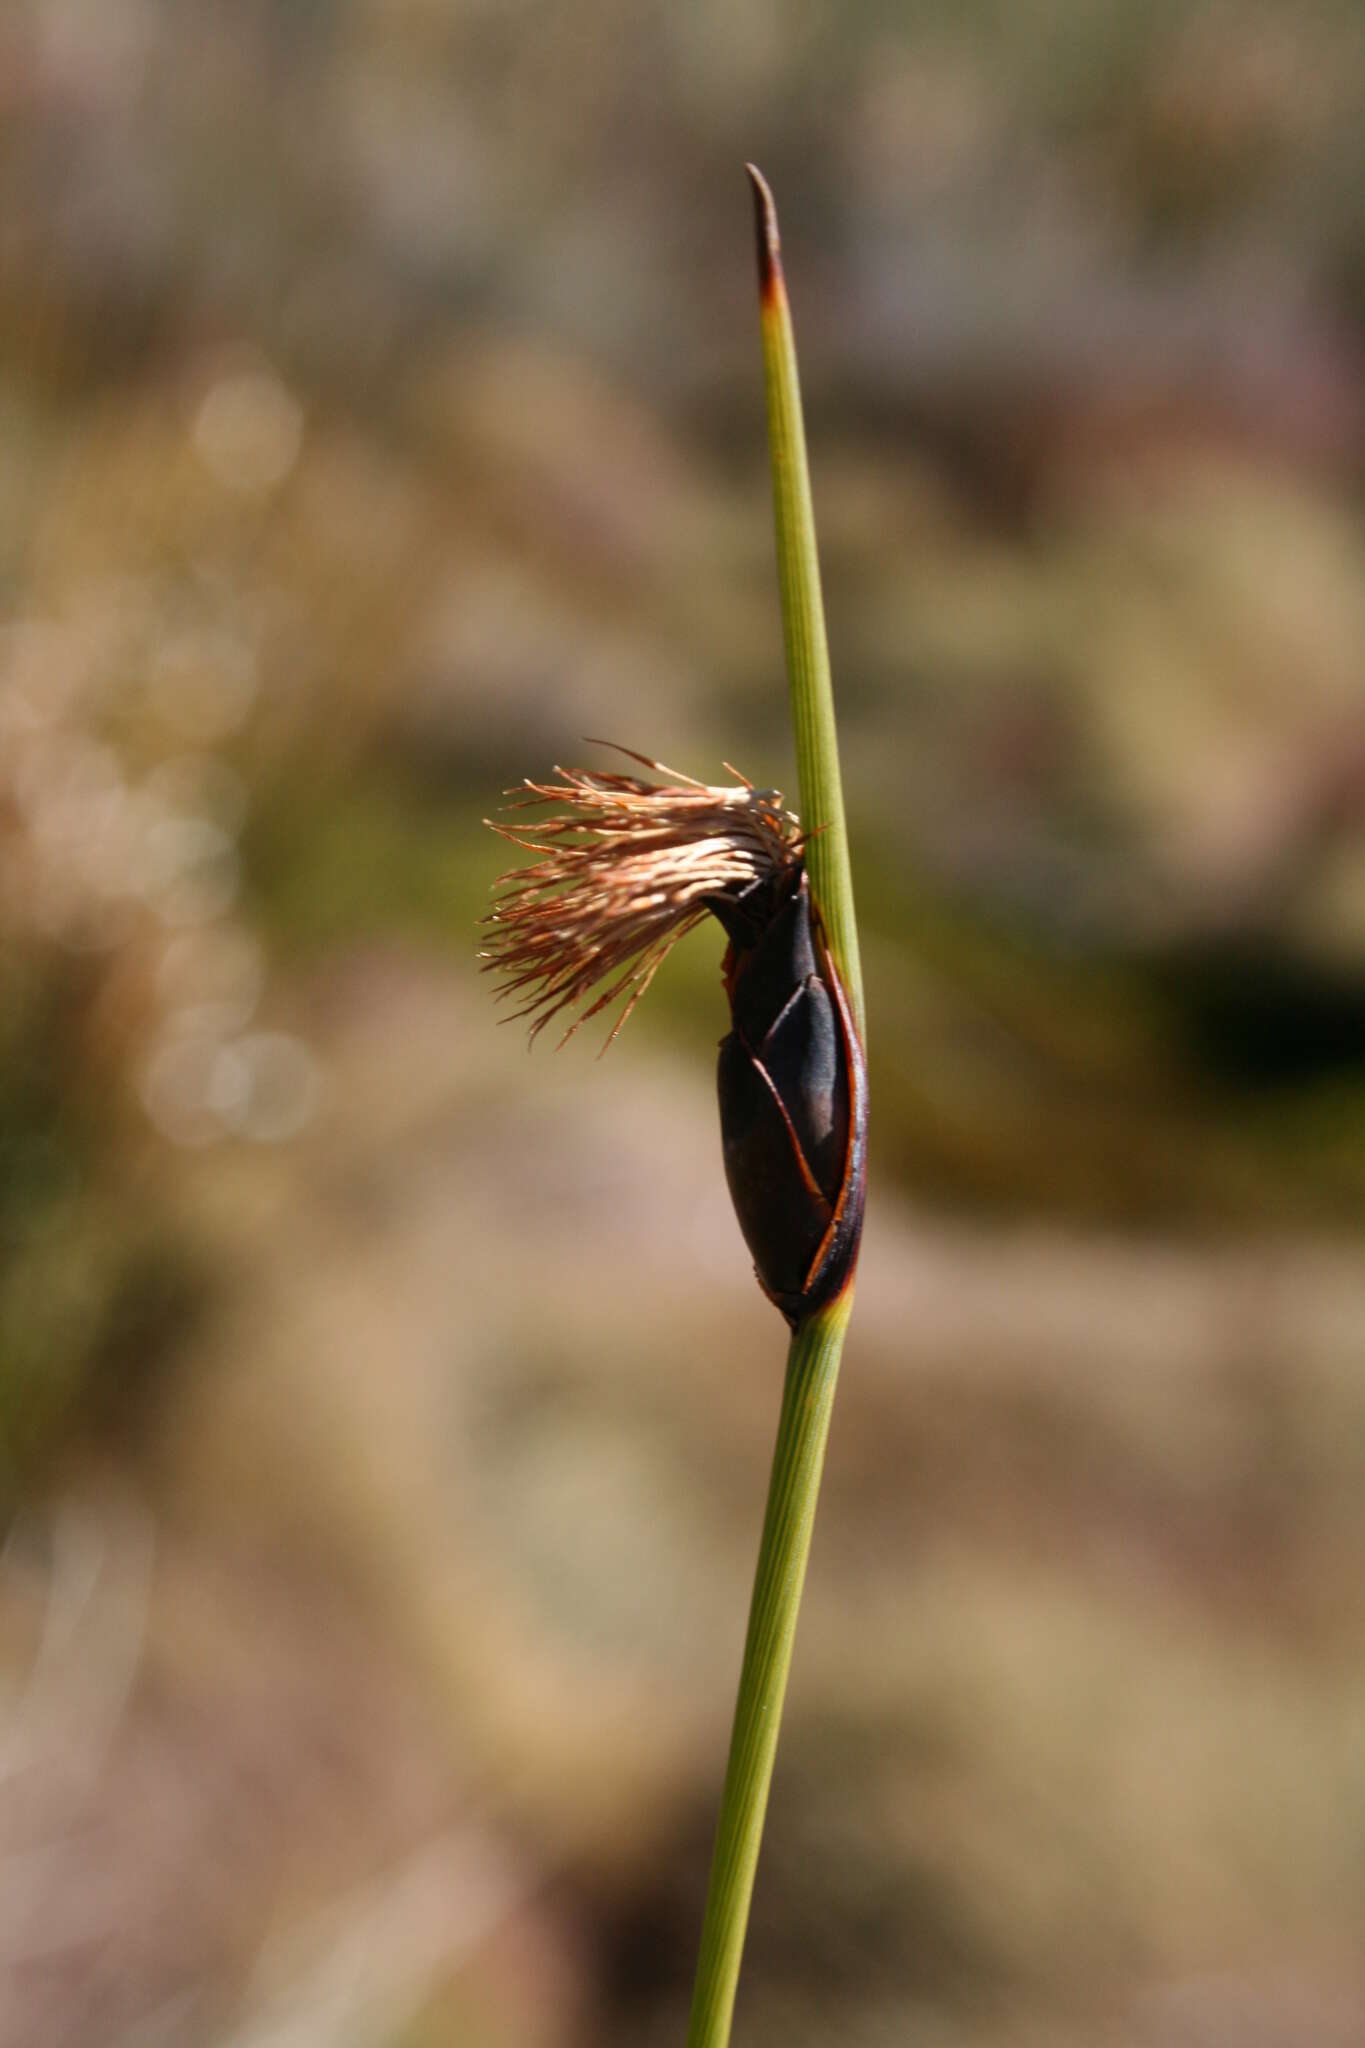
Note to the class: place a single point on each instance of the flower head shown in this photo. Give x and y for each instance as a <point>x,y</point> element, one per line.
<point>626,867</point>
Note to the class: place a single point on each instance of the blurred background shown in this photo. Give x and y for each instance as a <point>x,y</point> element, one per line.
<point>384,1414</point>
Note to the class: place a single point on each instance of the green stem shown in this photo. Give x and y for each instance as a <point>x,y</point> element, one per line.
<point>816,1348</point>
<point>812,1370</point>
<point>803,611</point>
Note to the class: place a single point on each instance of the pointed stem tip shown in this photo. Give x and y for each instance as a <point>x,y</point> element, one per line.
<point>768,239</point>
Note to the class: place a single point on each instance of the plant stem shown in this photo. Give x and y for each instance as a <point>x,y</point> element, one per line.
<point>803,611</point>
<point>812,1370</point>
<point>816,1348</point>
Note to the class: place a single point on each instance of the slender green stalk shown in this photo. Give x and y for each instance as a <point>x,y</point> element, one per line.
<point>803,611</point>
<point>816,1348</point>
<point>812,1370</point>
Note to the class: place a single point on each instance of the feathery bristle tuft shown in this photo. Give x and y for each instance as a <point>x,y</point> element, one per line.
<point>626,869</point>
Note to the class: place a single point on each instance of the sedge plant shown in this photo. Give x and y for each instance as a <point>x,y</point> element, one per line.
<point>624,865</point>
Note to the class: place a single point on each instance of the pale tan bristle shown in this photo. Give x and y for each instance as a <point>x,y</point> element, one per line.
<point>625,870</point>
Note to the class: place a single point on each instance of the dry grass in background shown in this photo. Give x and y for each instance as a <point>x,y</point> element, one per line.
<point>380,412</point>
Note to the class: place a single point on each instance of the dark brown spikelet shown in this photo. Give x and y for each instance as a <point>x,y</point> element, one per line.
<point>792,1082</point>
<point>624,867</point>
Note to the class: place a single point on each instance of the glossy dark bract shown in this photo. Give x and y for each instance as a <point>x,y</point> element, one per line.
<point>793,1096</point>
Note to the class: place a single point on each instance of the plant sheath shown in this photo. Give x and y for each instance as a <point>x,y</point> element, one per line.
<point>817,1345</point>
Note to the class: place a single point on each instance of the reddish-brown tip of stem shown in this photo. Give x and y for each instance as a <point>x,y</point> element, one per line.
<point>768,239</point>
